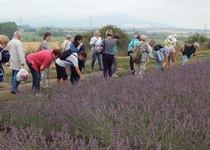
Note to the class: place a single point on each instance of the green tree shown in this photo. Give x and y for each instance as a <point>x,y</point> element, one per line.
<point>8,29</point>
<point>124,37</point>
<point>122,43</point>
<point>201,39</point>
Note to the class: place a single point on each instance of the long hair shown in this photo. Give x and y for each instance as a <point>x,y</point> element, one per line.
<point>76,38</point>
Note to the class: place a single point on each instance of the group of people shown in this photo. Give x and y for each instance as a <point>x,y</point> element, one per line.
<point>167,51</point>
<point>104,50</point>
<point>39,62</point>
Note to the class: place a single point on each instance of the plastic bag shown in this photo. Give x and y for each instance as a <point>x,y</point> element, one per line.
<point>22,75</point>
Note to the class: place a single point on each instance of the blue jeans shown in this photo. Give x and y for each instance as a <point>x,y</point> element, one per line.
<point>36,78</point>
<point>98,56</point>
<point>185,59</point>
<point>14,82</point>
<point>158,62</point>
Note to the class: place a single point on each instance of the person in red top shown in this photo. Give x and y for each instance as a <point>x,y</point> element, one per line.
<point>37,62</point>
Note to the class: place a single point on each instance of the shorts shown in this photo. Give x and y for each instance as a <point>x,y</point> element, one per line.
<point>61,72</point>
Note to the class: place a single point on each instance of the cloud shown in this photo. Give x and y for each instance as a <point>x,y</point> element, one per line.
<point>181,13</point>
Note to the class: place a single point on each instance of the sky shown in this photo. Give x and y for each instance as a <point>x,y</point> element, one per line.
<point>194,14</point>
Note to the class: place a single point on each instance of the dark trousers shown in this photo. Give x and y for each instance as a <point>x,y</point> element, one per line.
<point>107,64</point>
<point>74,76</point>
<point>131,63</point>
<point>36,78</point>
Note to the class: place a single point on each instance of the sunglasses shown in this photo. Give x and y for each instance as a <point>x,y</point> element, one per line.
<point>80,39</point>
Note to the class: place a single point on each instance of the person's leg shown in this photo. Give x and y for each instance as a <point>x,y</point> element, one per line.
<point>137,70</point>
<point>98,55</point>
<point>80,63</point>
<point>105,64</point>
<point>110,62</point>
<point>45,74</point>
<point>93,60</point>
<point>185,59</point>
<point>64,75</point>
<point>58,72</point>
<point>173,58</point>
<point>132,65</point>
<point>74,76</point>
<point>36,79</point>
<point>169,59</point>
<point>114,66</point>
<point>158,62</point>
<point>142,68</point>
<point>14,82</point>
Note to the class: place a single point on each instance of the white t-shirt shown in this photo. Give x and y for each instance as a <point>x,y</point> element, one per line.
<point>72,59</point>
<point>95,45</point>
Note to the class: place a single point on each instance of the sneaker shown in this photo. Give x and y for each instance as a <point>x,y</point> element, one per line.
<point>114,75</point>
<point>38,95</point>
<point>133,72</point>
<point>101,69</point>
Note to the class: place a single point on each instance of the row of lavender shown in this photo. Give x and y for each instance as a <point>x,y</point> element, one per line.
<point>163,110</point>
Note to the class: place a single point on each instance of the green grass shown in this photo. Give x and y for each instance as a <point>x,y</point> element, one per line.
<point>29,36</point>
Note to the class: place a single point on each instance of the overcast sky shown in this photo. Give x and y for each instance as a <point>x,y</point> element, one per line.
<point>179,13</point>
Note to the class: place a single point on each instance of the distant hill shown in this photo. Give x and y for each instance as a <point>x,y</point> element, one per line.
<point>124,21</point>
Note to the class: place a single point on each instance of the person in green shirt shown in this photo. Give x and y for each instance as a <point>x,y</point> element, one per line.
<point>114,65</point>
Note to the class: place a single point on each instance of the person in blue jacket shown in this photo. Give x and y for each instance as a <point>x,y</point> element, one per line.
<point>131,46</point>
<point>77,46</point>
<point>4,55</point>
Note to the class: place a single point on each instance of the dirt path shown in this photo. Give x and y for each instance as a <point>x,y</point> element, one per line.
<point>6,87</point>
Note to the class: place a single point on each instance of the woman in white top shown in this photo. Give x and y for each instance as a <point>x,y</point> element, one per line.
<point>95,42</point>
<point>46,46</point>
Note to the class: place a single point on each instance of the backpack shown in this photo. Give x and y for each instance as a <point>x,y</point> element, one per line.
<point>140,48</point>
<point>157,47</point>
<point>65,54</point>
<point>168,42</point>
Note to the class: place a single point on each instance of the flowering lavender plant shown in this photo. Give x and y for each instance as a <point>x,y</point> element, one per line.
<point>163,110</point>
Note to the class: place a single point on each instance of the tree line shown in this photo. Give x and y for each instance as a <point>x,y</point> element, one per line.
<point>8,28</point>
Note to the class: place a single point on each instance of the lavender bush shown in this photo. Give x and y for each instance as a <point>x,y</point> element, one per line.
<point>164,110</point>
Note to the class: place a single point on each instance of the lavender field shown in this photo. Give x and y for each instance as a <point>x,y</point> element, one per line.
<point>167,110</point>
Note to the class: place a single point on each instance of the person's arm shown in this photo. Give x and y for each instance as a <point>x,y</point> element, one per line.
<point>93,41</point>
<point>166,64</point>
<point>75,49</point>
<point>21,53</point>
<point>182,48</point>
<point>102,45</point>
<point>150,53</point>
<point>164,43</point>
<point>79,73</point>
<point>115,51</point>
<point>4,56</point>
<point>45,45</point>
<point>175,46</point>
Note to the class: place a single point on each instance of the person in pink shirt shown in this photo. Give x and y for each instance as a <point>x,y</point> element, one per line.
<point>39,61</point>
